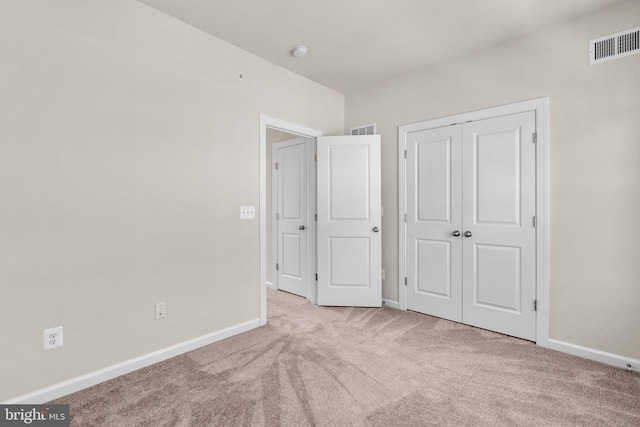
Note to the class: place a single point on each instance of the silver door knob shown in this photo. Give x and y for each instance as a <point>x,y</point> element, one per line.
<point>301,227</point>
<point>455,233</point>
<point>467,234</point>
<point>376,229</point>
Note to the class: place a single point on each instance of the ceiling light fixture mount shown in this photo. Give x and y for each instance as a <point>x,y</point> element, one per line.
<point>299,51</point>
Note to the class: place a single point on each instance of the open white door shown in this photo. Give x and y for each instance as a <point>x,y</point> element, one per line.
<point>349,221</point>
<point>291,220</point>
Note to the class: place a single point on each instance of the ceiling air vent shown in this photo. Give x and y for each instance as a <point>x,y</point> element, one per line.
<point>364,130</point>
<point>614,46</point>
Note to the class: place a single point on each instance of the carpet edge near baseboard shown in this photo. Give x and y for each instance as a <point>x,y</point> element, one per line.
<point>82,382</point>
<point>96,377</point>
<point>596,355</point>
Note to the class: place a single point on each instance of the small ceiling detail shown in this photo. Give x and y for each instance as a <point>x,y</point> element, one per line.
<point>299,51</point>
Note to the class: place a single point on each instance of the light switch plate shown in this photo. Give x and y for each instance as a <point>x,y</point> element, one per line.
<point>247,212</point>
<point>161,310</point>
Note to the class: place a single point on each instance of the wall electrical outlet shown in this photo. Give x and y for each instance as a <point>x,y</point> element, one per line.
<point>52,338</point>
<point>161,310</point>
<point>247,212</point>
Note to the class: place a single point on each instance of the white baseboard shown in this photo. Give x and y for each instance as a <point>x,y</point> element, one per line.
<point>597,355</point>
<point>389,303</point>
<point>270,285</point>
<point>84,381</point>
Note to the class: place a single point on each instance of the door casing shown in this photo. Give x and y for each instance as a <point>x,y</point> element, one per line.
<point>541,108</point>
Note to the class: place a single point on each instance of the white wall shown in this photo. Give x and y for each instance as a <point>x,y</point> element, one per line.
<point>127,145</point>
<point>594,156</point>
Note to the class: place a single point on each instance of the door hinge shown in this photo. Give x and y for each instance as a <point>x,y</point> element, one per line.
<point>405,217</point>
<point>535,223</point>
<point>276,165</point>
<point>315,157</point>
<point>277,267</point>
<point>535,305</point>
<point>535,137</point>
<point>316,277</point>
<point>405,281</point>
<point>405,154</point>
<point>316,217</point>
<point>277,216</point>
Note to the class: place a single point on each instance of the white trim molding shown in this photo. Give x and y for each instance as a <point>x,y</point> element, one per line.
<point>88,380</point>
<point>597,355</point>
<point>271,285</point>
<point>389,303</point>
<point>541,108</point>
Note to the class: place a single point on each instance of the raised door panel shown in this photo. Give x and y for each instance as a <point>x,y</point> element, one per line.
<point>498,283</point>
<point>433,269</point>
<point>433,180</point>
<point>291,260</point>
<point>349,262</point>
<point>497,182</point>
<point>291,164</point>
<point>349,176</point>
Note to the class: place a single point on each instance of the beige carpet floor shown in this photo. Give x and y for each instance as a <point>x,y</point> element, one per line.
<point>364,367</point>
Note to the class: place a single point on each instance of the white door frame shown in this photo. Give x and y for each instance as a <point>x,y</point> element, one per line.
<point>541,107</point>
<point>297,130</point>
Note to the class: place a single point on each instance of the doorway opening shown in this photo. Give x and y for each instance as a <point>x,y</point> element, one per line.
<point>290,210</point>
<point>341,224</point>
<point>273,130</point>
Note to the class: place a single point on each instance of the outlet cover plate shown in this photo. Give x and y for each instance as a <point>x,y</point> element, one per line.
<point>52,338</point>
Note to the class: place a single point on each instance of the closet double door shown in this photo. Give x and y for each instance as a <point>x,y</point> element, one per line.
<point>470,226</point>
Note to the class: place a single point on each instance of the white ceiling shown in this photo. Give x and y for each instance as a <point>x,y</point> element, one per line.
<point>355,43</point>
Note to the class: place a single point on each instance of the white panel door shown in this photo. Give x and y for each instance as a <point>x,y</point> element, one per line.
<point>349,208</point>
<point>434,222</point>
<point>291,216</point>
<point>499,249</point>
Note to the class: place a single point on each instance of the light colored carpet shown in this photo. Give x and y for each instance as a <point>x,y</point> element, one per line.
<point>364,367</point>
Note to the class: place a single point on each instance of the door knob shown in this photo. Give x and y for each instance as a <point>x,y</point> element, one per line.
<point>301,227</point>
<point>467,234</point>
<point>376,229</point>
<point>455,233</point>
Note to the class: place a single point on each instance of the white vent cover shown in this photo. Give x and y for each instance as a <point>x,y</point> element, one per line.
<point>614,46</point>
<point>364,130</point>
